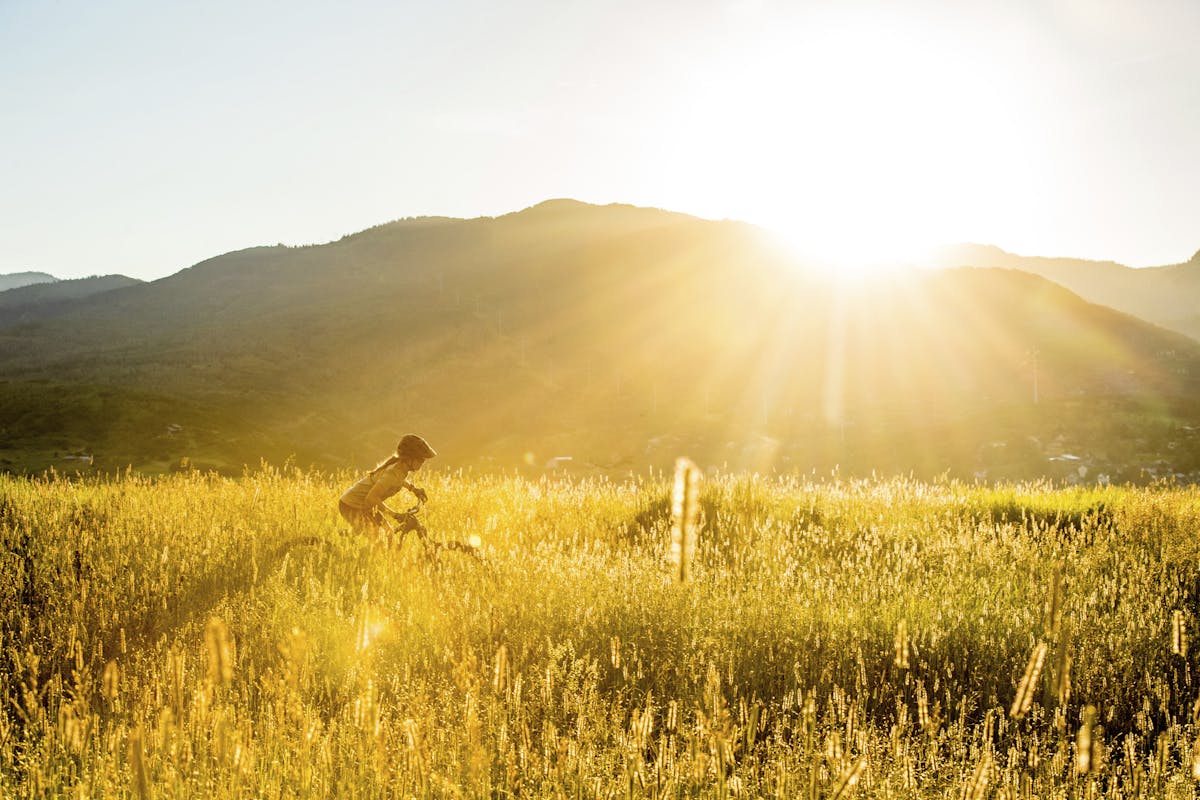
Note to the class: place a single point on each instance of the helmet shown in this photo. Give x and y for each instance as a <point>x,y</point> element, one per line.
<point>414,446</point>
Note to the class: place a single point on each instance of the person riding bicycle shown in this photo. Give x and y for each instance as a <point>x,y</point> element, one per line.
<point>362,504</point>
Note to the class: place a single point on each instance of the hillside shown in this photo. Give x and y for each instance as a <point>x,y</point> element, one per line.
<point>39,300</point>
<point>1168,296</point>
<point>618,335</point>
<point>15,280</point>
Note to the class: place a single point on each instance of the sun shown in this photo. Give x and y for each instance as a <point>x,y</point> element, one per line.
<point>850,252</point>
<point>863,140</point>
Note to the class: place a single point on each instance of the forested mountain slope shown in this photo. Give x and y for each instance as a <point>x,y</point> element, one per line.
<point>616,334</point>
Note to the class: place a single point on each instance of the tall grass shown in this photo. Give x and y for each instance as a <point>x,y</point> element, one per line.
<point>196,636</point>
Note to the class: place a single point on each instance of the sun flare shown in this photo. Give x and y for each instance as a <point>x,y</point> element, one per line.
<point>849,253</point>
<point>864,141</point>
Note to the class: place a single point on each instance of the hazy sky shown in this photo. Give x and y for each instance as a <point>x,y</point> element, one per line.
<point>141,137</point>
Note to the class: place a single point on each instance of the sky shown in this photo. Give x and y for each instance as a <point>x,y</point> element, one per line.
<point>141,137</point>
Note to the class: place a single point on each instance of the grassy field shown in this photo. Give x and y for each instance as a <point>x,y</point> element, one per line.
<point>198,636</point>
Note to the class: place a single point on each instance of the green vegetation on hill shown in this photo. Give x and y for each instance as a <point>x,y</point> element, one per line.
<point>14,280</point>
<point>99,428</point>
<point>1167,296</point>
<point>38,300</point>
<point>200,636</point>
<point>616,335</point>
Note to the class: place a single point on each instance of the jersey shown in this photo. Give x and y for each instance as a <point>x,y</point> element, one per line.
<point>391,478</point>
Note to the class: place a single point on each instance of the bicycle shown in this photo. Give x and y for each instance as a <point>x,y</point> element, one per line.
<point>409,521</point>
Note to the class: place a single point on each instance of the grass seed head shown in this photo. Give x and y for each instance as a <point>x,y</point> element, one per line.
<point>976,788</point>
<point>500,670</point>
<point>219,647</point>
<point>685,517</point>
<point>1054,601</point>
<point>1087,757</point>
<point>1028,686</point>
<point>849,780</point>
<point>901,643</point>
<point>110,682</point>
<point>137,765</point>
<point>1179,637</point>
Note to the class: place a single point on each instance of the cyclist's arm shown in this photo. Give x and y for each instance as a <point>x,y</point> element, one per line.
<point>376,496</point>
<point>416,491</point>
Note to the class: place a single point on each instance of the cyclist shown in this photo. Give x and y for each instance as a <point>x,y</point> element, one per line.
<point>362,504</point>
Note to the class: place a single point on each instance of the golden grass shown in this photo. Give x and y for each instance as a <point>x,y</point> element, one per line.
<point>170,638</point>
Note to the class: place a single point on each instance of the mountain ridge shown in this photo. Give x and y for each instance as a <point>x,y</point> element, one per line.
<point>37,300</point>
<point>1167,295</point>
<point>15,280</point>
<point>617,334</point>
